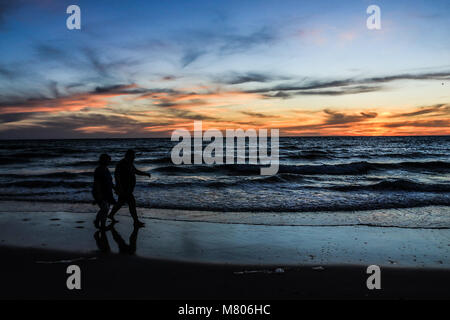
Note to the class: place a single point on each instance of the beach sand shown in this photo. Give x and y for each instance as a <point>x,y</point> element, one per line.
<point>192,259</point>
<point>25,275</point>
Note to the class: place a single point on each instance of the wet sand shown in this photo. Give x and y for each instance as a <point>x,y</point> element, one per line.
<point>188,260</point>
<point>244,244</point>
<point>25,274</point>
<point>429,217</point>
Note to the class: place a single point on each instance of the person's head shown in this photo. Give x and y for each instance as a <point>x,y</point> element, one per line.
<point>104,159</point>
<point>130,155</point>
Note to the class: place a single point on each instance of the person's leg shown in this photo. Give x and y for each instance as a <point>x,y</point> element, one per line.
<point>98,201</point>
<point>97,217</point>
<point>133,240</point>
<point>132,206</point>
<point>119,240</point>
<point>101,214</point>
<point>104,214</point>
<point>120,202</point>
<point>102,241</point>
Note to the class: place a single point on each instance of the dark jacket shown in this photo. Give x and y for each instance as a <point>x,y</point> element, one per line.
<point>125,176</point>
<point>103,185</point>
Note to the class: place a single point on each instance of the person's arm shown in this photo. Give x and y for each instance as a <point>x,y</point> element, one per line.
<point>141,173</point>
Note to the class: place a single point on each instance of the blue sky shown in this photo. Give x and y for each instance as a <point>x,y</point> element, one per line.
<point>147,67</point>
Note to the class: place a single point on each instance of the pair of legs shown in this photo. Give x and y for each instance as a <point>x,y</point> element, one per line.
<point>102,214</point>
<point>123,246</point>
<point>102,241</point>
<point>126,198</point>
<point>103,245</point>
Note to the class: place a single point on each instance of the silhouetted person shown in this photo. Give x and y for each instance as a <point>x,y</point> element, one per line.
<point>125,176</point>
<point>103,190</point>
<point>123,246</point>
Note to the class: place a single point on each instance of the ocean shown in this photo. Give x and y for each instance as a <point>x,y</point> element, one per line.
<point>316,174</point>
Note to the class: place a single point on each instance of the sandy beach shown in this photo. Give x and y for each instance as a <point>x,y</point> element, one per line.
<point>192,259</point>
<point>41,274</point>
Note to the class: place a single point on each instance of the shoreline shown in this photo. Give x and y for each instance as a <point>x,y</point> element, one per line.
<point>368,218</point>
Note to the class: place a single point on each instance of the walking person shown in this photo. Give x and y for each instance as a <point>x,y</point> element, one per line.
<point>102,190</point>
<point>125,176</point>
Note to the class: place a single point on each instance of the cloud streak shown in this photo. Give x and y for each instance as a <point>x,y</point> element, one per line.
<point>337,118</point>
<point>94,99</point>
<point>221,43</point>
<point>438,109</point>
<point>444,123</point>
<point>346,86</point>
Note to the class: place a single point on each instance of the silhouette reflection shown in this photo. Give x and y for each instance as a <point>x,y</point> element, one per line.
<point>125,248</point>
<point>102,242</point>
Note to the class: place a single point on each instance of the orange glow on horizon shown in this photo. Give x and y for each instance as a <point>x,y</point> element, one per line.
<point>167,111</point>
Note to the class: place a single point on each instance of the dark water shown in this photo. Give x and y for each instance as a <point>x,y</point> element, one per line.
<point>315,174</point>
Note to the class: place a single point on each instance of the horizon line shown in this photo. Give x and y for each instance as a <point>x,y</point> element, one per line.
<point>299,136</point>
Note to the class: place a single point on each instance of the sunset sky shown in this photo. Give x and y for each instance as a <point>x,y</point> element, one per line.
<point>145,68</point>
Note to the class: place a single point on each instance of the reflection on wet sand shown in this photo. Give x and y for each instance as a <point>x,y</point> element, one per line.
<point>102,242</point>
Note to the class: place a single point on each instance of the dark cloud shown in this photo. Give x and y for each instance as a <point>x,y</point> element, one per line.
<point>74,85</point>
<point>162,97</point>
<point>336,118</point>
<point>256,114</point>
<point>169,78</point>
<point>168,103</point>
<point>69,125</point>
<point>438,109</point>
<point>342,91</point>
<point>339,92</point>
<point>445,123</point>
<point>423,76</point>
<point>279,94</point>
<point>77,120</point>
<point>56,100</point>
<point>119,89</point>
<point>25,102</point>
<point>87,59</point>
<point>185,114</point>
<point>165,103</point>
<point>14,117</point>
<point>312,87</point>
<point>190,56</point>
<point>154,93</point>
<point>239,78</point>
<point>102,68</point>
<point>197,43</point>
<point>317,126</point>
<point>55,96</point>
